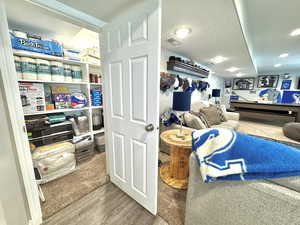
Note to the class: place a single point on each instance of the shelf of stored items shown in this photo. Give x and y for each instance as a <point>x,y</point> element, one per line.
<point>187,69</point>
<point>97,107</point>
<point>46,57</point>
<point>82,136</point>
<point>53,82</point>
<point>56,111</point>
<point>98,131</point>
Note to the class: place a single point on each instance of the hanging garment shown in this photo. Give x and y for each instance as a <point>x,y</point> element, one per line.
<point>185,85</point>
<point>180,80</point>
<point>203,85</point>
<point>176,83</point>
<point>166,81</point>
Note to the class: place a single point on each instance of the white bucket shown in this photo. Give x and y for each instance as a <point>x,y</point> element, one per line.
<point>68,73</point>
<point>29,68</point>
<point>57,71</point>
<point>43,69</point>
<point>76,74</point>
<point>18,65</point>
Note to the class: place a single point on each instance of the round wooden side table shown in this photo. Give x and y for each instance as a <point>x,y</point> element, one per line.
<point>175,173</point>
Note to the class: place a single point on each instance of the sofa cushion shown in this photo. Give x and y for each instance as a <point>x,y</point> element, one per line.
<point>212,115</point>
<point>202,117</point>
<point>229,124</point>
<point>221,113</point>
<point>193,121</point>
<point>196,106</point>
<point>289,182</point>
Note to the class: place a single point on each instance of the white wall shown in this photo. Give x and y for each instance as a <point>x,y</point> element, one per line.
<point>215,82</point>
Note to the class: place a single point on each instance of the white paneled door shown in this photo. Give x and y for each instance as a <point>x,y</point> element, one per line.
<point>130,47</point>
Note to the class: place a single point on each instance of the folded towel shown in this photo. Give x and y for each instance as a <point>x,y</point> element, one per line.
<point>224,154</point>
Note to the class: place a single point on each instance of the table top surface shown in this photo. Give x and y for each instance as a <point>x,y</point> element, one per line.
<point>171,138</point>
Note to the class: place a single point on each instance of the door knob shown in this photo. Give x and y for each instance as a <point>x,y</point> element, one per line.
<point>149,127</point>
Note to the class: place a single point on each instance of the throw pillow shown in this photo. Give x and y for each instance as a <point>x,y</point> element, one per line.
<point>203,118</point>
<point>212,115</point>
<point>193,121</point>
<point>221,113</point>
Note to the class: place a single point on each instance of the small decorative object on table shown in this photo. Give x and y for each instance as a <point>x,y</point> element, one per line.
<point>175,173</point>
<point>182,103</point>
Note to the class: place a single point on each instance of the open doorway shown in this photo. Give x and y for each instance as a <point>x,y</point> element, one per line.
<point>60,82</point>
<point>63,99</point>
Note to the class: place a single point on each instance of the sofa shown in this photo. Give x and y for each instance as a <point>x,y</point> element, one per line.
<point>231,123</point>
<point>258,202</point>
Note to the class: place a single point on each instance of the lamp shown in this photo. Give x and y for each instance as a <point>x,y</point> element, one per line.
<point>182,103</point>
<point>216,93</point>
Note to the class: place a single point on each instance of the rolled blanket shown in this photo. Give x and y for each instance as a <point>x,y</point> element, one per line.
<point>224,154</point>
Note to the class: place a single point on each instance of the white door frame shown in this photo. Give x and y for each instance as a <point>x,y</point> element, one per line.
<point>11,92</point>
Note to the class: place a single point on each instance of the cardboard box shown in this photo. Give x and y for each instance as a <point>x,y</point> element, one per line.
<point>32,97</point>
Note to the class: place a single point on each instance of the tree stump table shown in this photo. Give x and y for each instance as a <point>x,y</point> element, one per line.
<point>175,173</point>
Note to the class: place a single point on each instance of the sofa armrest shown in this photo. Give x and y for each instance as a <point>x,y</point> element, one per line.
<point>238,202</point>
<point>232,116</point>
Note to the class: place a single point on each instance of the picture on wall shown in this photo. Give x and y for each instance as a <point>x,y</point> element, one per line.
<point>267,81</point>
<point>291,97</point>
<point>286,84</point>
<point>228,84</point>
<point>243,83</point>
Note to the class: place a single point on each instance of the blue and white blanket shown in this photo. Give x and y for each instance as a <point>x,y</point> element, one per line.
<point>227,155</point>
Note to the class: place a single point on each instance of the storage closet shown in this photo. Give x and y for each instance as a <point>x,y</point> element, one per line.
<point>61,92</point>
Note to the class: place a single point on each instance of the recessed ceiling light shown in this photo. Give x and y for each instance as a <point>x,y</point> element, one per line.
<point>232,69</point>
<point>283,55</point>
<point>295,32</point>
<point>240,74</point>
<point>183,32</point>
<point>218,59</point>
<point>277,65</point>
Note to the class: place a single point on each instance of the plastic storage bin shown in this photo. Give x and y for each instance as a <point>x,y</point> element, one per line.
<point>29,69</point>
<point>43,70</point>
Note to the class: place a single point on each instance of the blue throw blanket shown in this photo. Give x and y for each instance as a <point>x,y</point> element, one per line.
<point>227,155</point>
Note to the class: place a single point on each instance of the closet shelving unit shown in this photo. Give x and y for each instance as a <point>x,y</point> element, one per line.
<point>85,87</point>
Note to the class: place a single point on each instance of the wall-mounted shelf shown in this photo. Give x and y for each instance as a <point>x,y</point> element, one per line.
<point>98,131</point>
<point>187,69</point>
<point>53,82</point>
<point>56,111</point>
<point>46,57</point>
<point>97,107</point>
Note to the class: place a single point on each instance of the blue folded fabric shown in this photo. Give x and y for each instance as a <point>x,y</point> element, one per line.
<point>224,154</point>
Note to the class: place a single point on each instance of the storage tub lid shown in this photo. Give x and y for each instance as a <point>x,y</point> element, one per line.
<point>27,59</point>
<point>55,63</point>
<point>42,61</point>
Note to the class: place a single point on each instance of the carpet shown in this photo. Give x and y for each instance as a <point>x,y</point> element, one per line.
<point>62,192</point>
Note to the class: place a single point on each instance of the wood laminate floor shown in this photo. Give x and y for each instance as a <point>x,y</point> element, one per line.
<point>107,205</point>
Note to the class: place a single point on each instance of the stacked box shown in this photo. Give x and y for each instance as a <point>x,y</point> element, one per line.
<point>84,150</point>
<point>62,97</point>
